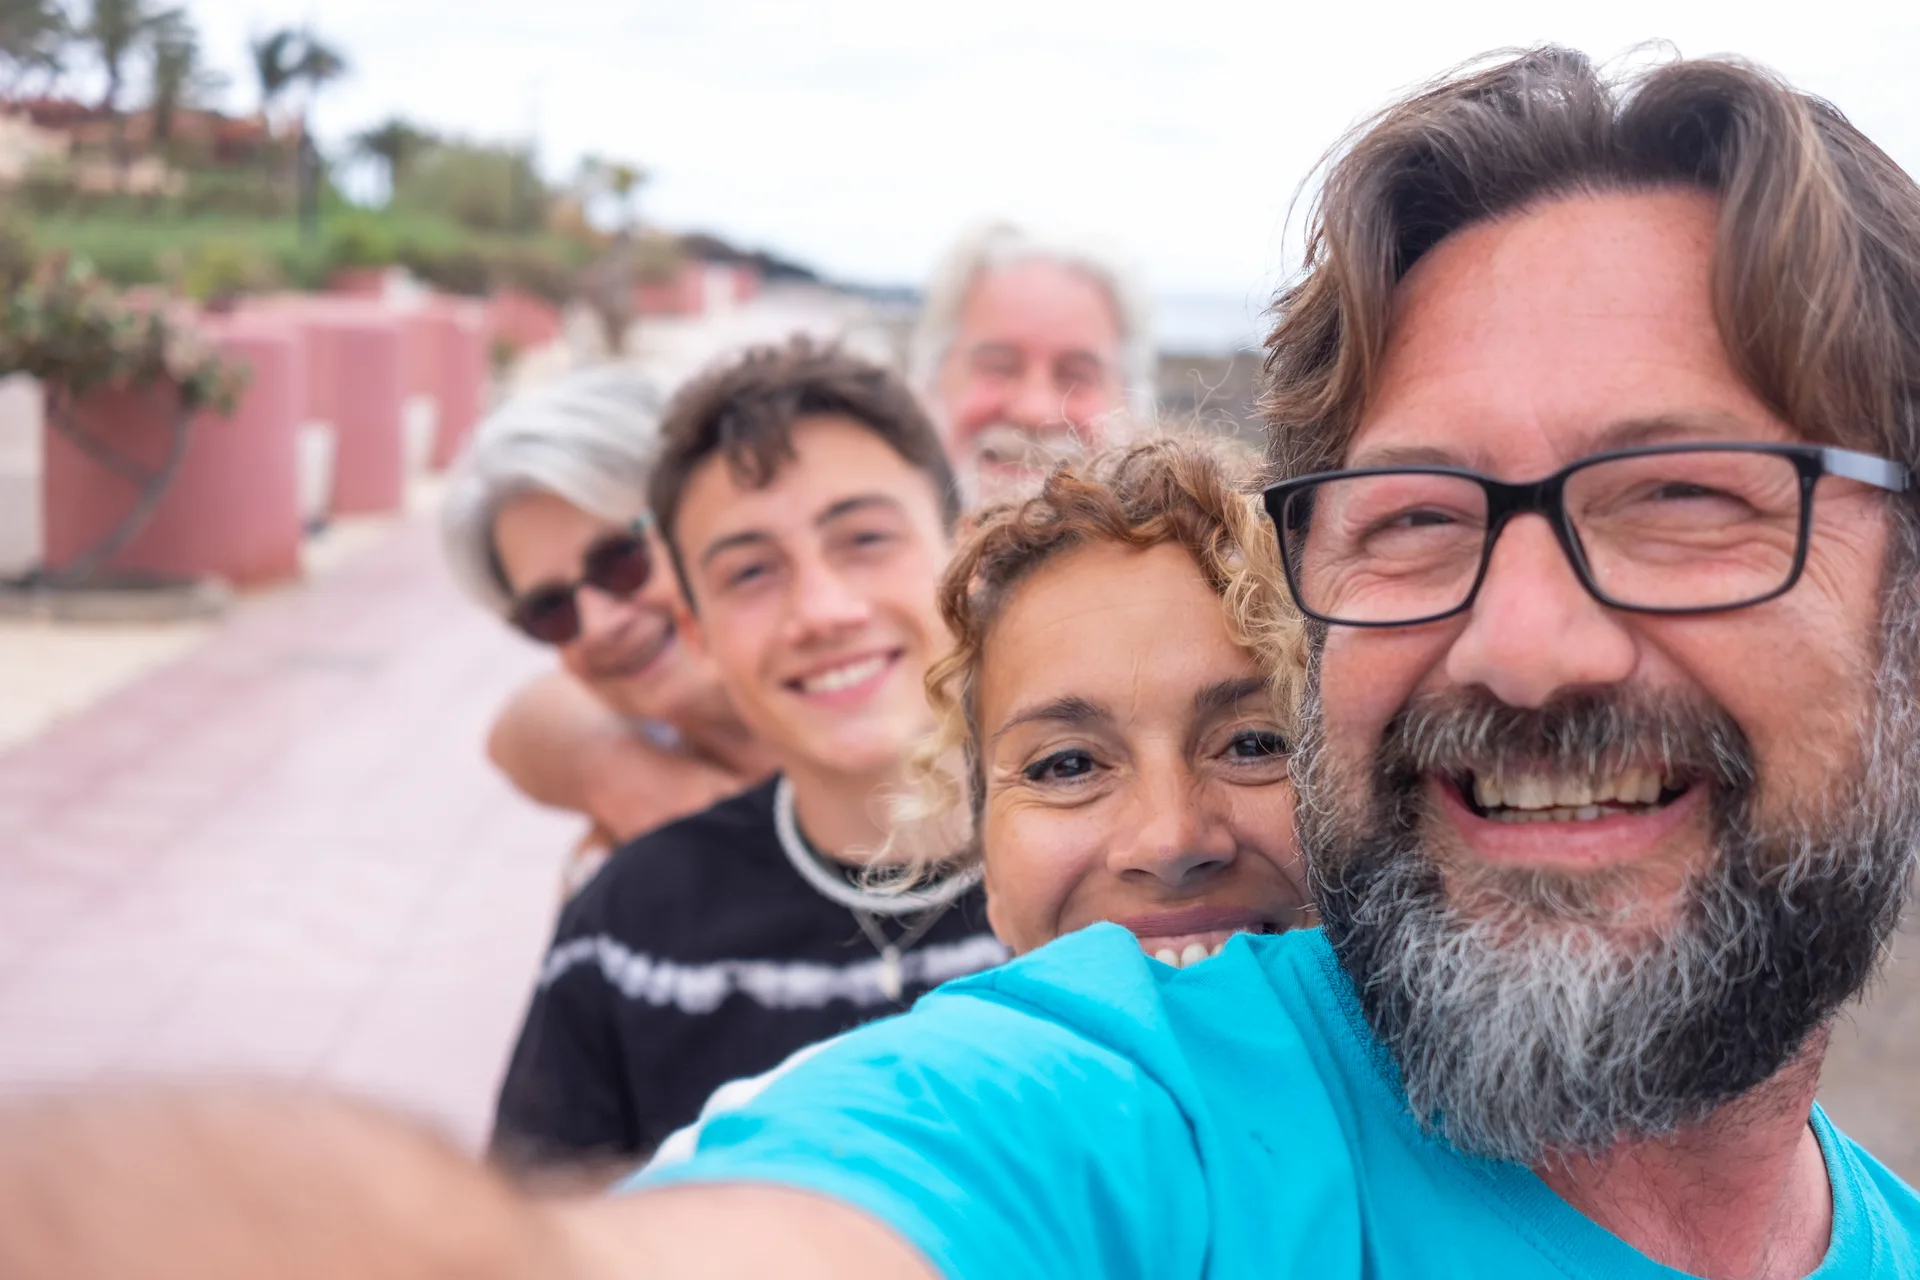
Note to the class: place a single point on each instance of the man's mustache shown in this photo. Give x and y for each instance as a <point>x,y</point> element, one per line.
<point>1581,733</point>
<point>1032,448</point>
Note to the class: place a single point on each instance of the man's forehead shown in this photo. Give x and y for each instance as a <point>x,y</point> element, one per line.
<point>1038,303</point>
<point>1583,325</point>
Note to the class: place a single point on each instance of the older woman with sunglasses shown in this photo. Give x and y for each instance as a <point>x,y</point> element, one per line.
<point>544,525</point>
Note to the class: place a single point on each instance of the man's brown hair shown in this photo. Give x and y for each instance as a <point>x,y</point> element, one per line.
<point>1816,271</point>
<point>743,410</point>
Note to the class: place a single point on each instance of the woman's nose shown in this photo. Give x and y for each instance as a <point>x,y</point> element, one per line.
<point>1172,832</point>
<point>600,613</point>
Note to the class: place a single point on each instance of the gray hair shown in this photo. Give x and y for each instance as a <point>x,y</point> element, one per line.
<point>590,439</point>
<point>1001,244</point>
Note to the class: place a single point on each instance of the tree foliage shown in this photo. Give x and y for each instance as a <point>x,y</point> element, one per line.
<point>394,145</point>
<point>181,77</point>
<point>114,29</point>
<point>34,35</point>
<point>290,56</point>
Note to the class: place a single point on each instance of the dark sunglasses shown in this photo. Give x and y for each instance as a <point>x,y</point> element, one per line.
<point>617,564</point>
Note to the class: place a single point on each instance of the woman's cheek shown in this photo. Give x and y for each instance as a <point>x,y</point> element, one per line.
<point>1030,872</point>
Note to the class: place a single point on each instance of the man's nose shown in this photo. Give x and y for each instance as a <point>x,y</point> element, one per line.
<point>824,603</point>
<point>1170,831</point>
<point>1533,629</point>
<point>1035,401</point>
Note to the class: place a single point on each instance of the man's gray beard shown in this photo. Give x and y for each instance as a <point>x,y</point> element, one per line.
<point>1531,1012</point>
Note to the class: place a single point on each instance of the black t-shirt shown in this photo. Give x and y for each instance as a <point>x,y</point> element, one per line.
<point>696,956</point>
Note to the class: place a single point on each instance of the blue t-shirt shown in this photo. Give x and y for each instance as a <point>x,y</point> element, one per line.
<point>1088,1111</point>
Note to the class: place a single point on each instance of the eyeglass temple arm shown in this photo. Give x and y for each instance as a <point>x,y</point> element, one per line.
<point>1867,469</point>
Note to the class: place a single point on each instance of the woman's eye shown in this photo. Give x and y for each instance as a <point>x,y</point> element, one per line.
<point>1257,744</point>
<point>1061,766</point>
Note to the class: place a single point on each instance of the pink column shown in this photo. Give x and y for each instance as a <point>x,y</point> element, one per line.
<point>461,336</point>
<point>355,375</point>
<point>233,509</point>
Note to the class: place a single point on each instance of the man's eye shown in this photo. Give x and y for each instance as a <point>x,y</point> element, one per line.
<point>1061,766</point>
<point>1257,744</point>
<point>744,574</point>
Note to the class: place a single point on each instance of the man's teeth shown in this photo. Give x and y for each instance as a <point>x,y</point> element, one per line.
<point>1540,798</point>
<point>1193,954</point>
<point>844,677</point>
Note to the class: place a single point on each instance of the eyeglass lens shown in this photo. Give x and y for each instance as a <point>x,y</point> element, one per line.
<point>618,564</point>
<point>1685,530</point>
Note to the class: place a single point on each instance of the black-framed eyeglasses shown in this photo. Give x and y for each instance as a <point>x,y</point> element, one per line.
<point>617,563</point>
<point>1685,528</point>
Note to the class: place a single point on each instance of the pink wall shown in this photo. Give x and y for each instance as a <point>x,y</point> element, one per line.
<point>354,382</point>
<point>460,373</point>
<point>522,320</point>
<point>233,509</point>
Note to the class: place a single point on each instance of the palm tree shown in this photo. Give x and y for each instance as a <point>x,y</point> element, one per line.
<point>114,28</point>
<point>280,60</point>
<point>319,63</point>
<point>289,56</point>
<point>180,77</point>
<point>275,61</point>
<point>623,180</point>
<point>34,35</point>
<point>393,145</point>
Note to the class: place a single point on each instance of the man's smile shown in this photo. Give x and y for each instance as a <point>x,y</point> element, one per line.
<point>1567,820</point>
<point>847,680</point>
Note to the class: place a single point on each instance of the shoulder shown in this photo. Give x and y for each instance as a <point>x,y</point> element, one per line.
<point>982,1123</point>
<point>669,863</point>
<point>1873,1207</point>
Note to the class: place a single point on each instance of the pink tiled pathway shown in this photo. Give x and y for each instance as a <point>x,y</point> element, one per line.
<point>285,854</point>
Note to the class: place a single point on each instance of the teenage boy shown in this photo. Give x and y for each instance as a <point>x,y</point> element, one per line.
<point>808,508</point>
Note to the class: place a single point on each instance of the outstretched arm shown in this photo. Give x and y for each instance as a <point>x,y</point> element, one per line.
<point>237,1184</point>
<point>563,747</point>
<point>730,1232</point>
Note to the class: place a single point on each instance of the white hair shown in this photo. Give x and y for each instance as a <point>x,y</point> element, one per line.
<point>590,439</point>
<point>1001,244</point>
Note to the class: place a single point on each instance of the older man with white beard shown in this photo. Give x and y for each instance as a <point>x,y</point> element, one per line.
<point>1029,350</point>
<point>1598,407</point>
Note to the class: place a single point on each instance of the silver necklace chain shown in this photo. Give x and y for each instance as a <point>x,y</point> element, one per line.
<point>868,905</point>
<point>835,888</point>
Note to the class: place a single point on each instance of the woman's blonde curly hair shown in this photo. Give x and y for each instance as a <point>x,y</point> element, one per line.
<point>1193,491</point>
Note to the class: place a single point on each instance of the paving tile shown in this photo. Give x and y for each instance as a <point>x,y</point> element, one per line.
<point>284,854</point>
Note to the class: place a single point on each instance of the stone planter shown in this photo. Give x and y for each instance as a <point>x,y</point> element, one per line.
<point>354,384</point>
<point>461,369</point>
<point>233,509</point>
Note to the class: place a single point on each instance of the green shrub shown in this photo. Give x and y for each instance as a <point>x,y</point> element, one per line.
<point>462,270</point>
<point>483,188</point>
<point>355,240</point>
<point>225,268</point>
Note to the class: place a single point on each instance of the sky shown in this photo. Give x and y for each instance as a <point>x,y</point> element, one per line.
<point>860,136</point>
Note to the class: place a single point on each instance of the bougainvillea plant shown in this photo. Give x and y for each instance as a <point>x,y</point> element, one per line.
<point>64,325</point>
<point>75,332</point>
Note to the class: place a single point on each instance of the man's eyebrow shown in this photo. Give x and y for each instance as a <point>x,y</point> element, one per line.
<point>719,546</point>
<point>1224,695</point>
<point>1405,455</point>
<point>1669,428</point>
<point>1070,710</point>
<point>858,502</point>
